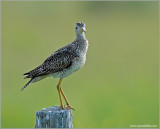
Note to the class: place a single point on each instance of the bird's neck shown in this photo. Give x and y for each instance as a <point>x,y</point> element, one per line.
<point>80,36</point>
<point>81,43</point>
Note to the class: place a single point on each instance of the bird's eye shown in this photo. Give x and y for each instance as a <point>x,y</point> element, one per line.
<point>76,27</point>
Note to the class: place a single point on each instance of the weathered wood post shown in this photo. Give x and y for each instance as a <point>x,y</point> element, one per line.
<point>54,117</point>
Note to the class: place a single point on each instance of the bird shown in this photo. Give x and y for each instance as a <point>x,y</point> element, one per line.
<point>62,63</point>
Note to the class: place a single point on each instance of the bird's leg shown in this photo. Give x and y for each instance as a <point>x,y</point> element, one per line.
<point>67,103</point>
<point>58,88</point>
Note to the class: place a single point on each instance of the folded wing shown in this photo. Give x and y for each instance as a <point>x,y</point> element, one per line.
<point>57,62</point>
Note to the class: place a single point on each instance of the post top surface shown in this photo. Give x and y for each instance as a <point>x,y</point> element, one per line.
<point>53,109</point>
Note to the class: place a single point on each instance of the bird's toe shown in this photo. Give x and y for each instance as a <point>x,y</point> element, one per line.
<point>68,107</point>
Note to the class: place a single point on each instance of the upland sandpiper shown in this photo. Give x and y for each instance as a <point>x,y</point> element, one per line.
<point>63,62</point>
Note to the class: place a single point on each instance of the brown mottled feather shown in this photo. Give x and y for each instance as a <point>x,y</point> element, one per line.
<point>58,61</point>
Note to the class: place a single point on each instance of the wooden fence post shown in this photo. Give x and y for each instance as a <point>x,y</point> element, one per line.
<point>54,117</point>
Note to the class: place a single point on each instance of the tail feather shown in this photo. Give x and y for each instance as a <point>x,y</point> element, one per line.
<point>27,84</point>
<point>26,77</point>
<point>33,79</point>
<point>26,73</point>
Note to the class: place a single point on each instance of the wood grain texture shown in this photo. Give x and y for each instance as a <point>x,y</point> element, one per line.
<point>54,117</point>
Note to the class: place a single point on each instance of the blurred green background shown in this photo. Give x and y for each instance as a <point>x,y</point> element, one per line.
<point>117,87</point>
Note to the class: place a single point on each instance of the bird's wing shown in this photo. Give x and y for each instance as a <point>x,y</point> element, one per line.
<point>58,61</point>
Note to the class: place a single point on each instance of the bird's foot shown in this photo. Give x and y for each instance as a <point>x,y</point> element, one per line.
<point>68,107</point>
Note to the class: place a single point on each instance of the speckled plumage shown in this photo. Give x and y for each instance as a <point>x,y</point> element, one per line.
<point>64,61</point>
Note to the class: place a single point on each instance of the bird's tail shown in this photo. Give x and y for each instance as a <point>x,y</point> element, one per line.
<point>27,84</point>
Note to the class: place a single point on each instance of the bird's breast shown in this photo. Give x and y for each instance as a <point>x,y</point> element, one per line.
<point>79,62</point>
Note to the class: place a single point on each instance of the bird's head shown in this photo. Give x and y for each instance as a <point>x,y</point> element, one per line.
<point>80,28</point>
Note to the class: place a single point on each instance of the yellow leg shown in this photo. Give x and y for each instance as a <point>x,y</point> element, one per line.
<point>64,96</point>
<point>67,103</point>
<point>58,88</point>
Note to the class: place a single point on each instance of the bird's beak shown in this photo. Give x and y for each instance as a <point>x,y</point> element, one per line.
<point>83,30</point>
